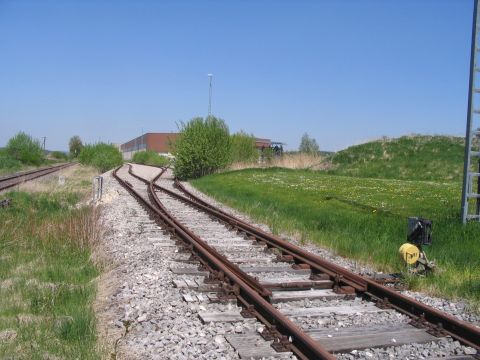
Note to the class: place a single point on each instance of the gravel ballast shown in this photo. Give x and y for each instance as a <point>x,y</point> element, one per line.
<point>146,316</point>
<point>141,295</point>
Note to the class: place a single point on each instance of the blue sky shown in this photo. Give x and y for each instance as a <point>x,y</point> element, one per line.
<point>342,71</point>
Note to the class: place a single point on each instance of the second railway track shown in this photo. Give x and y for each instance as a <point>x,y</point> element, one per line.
<point>304,305</point>
<point>9,181</point>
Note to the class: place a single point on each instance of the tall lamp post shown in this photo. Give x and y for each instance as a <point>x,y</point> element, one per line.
<point>210,96</point>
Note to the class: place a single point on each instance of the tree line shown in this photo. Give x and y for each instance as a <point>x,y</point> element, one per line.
<point>204,146</point>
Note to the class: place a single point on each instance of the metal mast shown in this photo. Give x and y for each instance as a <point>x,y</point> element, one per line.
<point>471,170</point>
<point>210,96</point>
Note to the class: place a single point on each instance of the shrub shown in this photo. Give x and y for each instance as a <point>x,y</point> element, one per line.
<point>59,155</point>
<point>102,156</point>
<point>6,162</point>
<point>24,148</point>
<point>202,148</point>
<point>243,148</point>
<point>149,158</point>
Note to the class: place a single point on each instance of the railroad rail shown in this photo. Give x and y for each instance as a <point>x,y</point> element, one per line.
<point>385,296</point>
<point>256,297</point>
<point>19,178</point>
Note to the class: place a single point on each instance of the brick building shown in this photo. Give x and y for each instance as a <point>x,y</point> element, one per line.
<point>161,143</point>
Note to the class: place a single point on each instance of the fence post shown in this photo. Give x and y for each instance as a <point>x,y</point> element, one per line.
<point>97,188</point>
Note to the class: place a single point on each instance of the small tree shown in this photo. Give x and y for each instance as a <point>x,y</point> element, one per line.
<point>309,145</point>
<point>102,156</point>
<point>202,147</point>
<point>24,148</point>
<point>75,145</point>
<point>243,147</point>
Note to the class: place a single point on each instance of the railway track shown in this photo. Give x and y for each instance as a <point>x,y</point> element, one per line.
<point>9,181</point>
<point>306,305</point>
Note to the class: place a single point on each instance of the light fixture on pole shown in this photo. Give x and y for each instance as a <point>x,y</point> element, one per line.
<point>210,96</point>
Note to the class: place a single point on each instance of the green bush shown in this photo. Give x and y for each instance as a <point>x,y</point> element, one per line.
<point>6,162</point>
<point>202,148</point>
<point>102,156</point>
<point>150,158</point>
<point>59,155</point>
<point>24,148</point>
<point>243,148</point>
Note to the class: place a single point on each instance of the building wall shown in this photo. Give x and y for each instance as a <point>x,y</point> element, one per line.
<point>262,143</point>
<point>158,142</point>
<point>136,144</point>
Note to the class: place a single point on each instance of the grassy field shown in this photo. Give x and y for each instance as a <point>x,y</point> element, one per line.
<point>361,218</point>
<point>46,272</point>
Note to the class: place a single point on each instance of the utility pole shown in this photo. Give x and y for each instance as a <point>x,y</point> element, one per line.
<point>210,96</point>
<point>44,140</point>
<point>470,193</point>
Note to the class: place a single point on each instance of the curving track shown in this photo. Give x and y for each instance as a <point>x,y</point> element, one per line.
<point>292,292</point>
<point>19,178</point>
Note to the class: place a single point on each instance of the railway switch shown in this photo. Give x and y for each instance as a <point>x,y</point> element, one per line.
<point>419,234</point>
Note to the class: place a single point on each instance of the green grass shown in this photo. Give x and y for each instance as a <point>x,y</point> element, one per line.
<point>150,158</point>
<point>8,165</point>
<point>435,158</point>
<point>46,287</point>
<point>361,218</point>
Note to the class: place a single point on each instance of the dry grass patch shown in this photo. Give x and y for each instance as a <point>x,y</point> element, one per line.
<point>76,178</point>
<point>289,161</point>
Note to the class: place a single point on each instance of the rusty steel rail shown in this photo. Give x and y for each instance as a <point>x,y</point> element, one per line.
<point>284,332</point>
<point>421,314</point>
<point>15,179</point>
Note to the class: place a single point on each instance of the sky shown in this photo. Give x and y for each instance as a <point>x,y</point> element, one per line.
<point>344,72</point>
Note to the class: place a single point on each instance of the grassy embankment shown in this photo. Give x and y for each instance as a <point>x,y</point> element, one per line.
<point>46,273</point>
<point>365,218</point>
<point>437,158</point>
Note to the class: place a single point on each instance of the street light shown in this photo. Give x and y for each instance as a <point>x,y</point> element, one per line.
<point>210,96</point>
